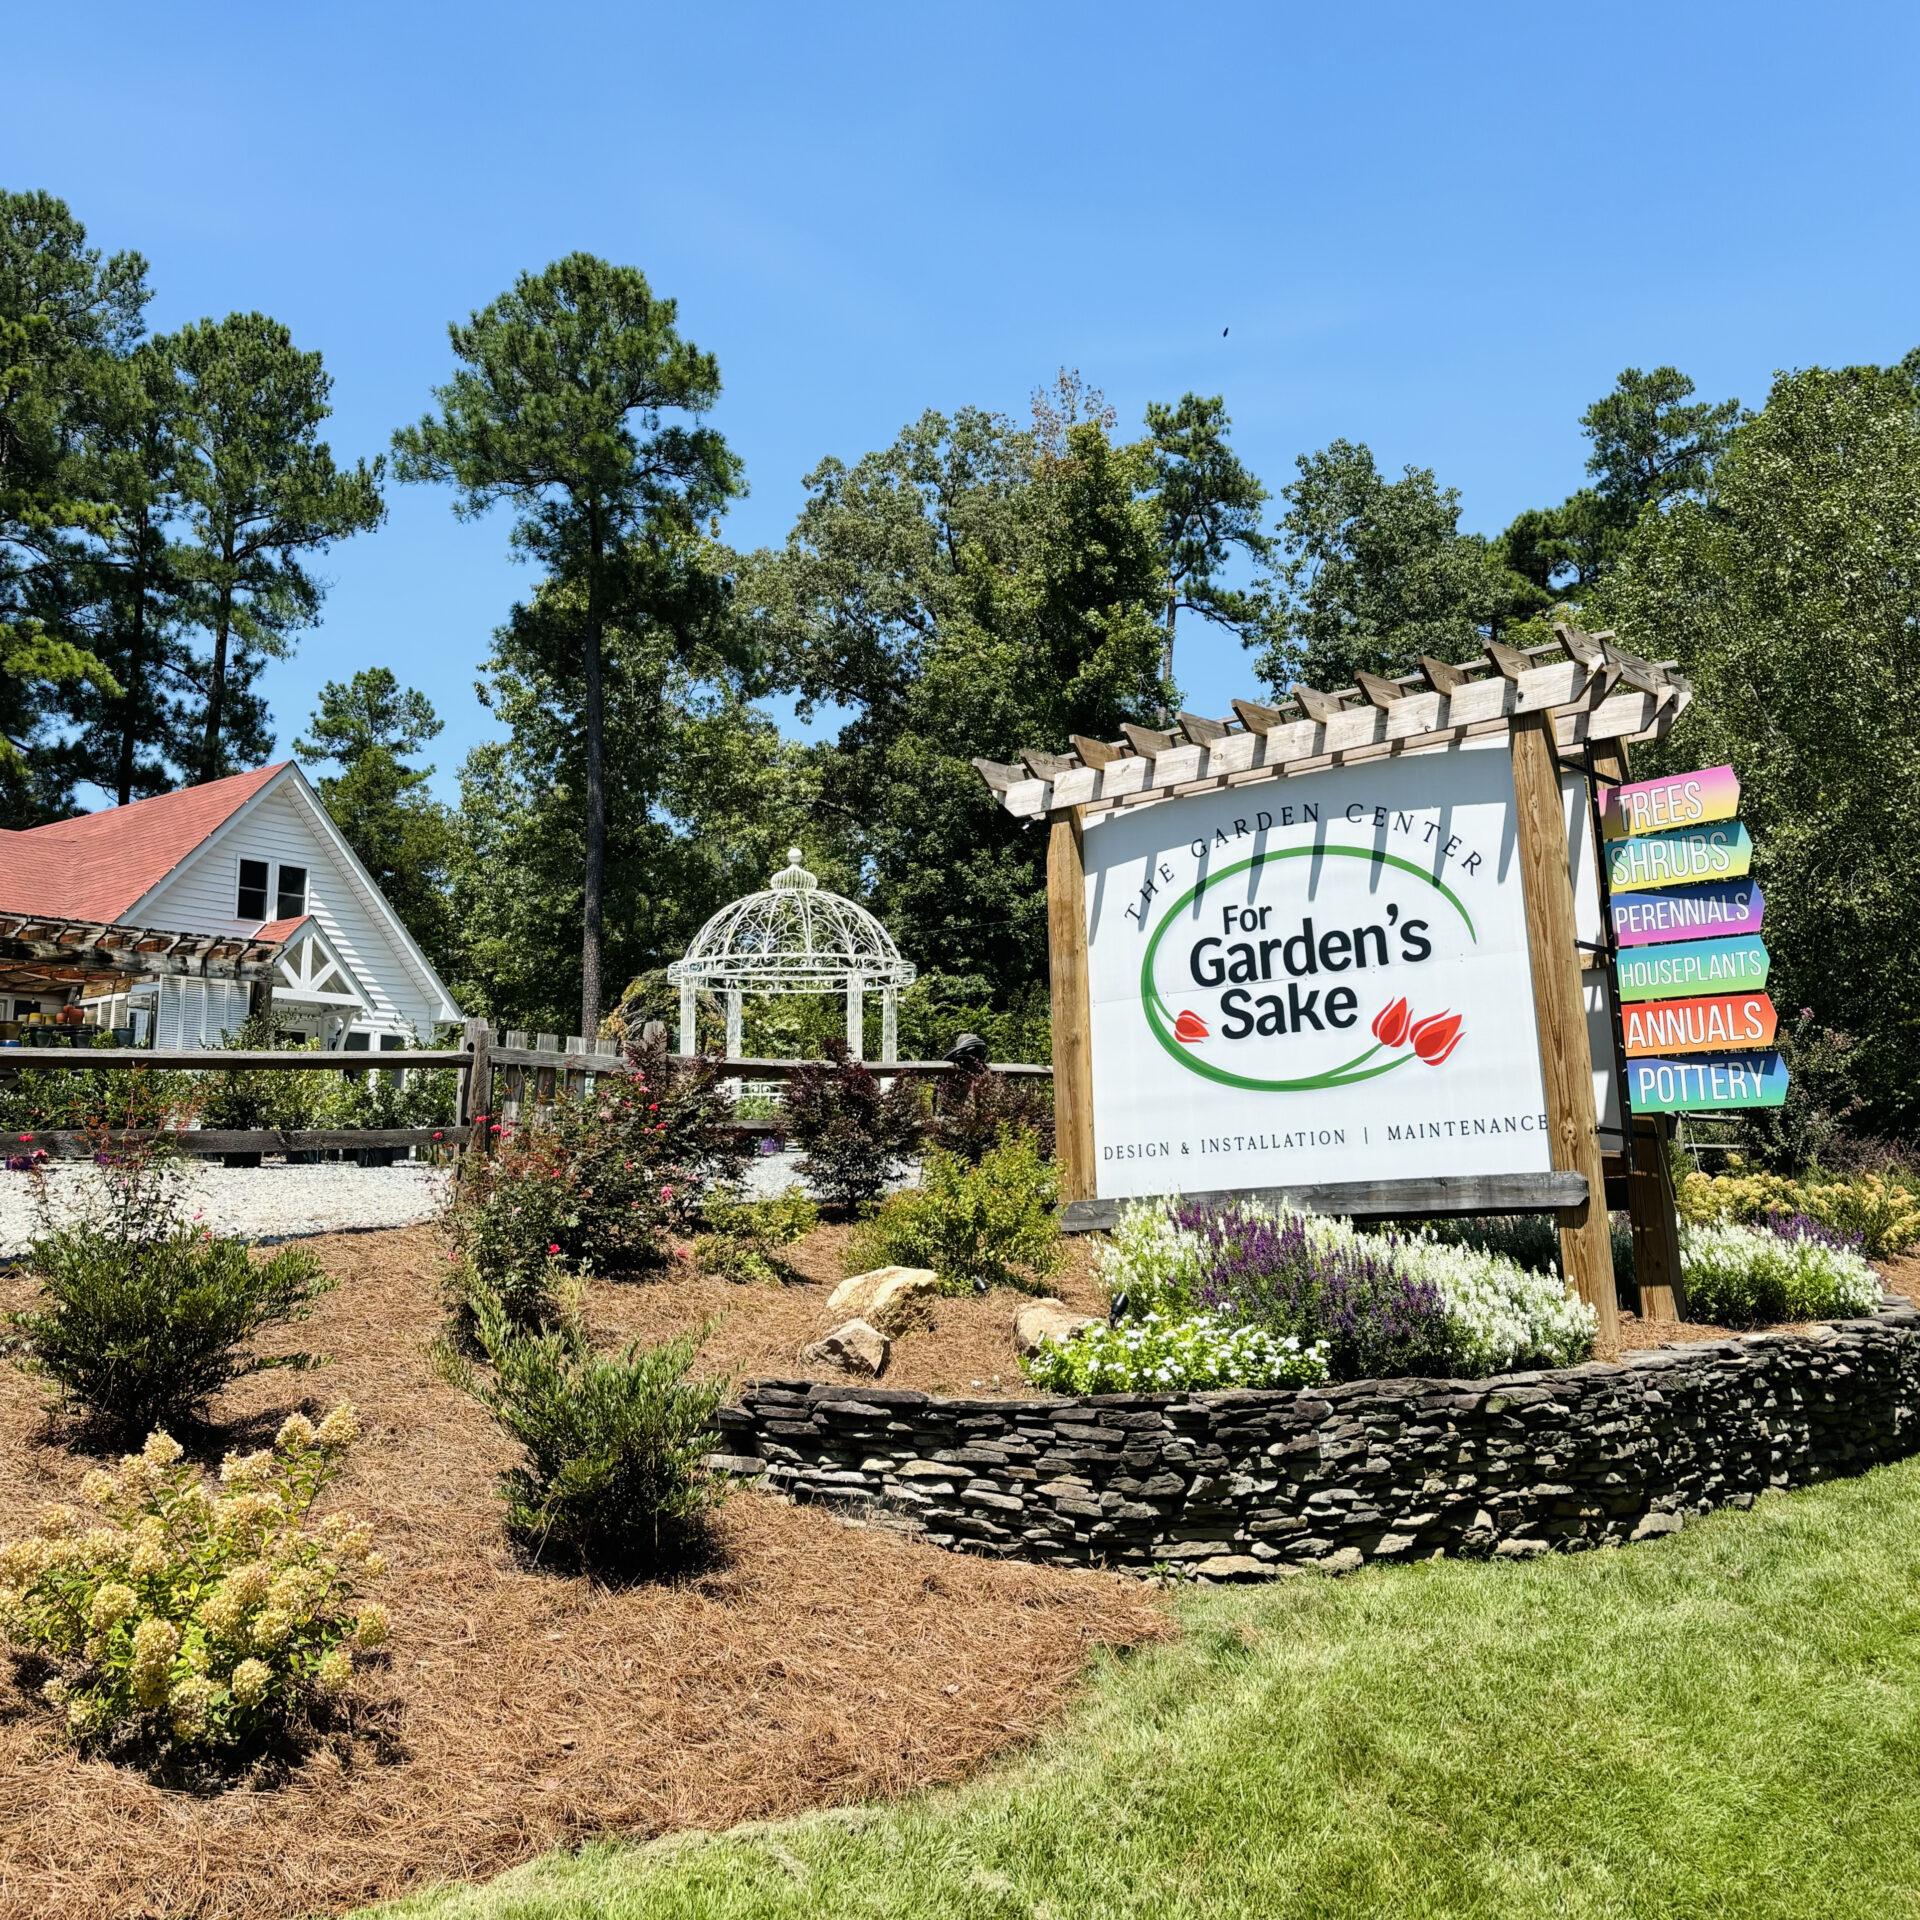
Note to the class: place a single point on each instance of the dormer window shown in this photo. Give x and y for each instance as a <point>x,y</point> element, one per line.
<point>253,890</point>
<point>292,898</point>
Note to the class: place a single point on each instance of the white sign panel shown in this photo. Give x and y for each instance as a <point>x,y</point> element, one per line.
<point>1318,979</point>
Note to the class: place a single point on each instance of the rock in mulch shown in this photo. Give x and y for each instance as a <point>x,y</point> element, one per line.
<point>1048,1320</point>
<point>890,1298</point>
<point>855,1348</point>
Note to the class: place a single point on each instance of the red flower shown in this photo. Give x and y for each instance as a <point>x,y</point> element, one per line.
<point>1189,1027</point>
<point>1436,1036</point>
<point>554,1248</point>
<point>1390,1024</point>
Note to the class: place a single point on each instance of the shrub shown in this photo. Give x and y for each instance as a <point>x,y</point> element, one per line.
<point>145,1315</point>
<point>1792,1269</point>
<point>194,1620</point>
<point>612,1477</point>
<point>989,1225</point>
<point>1376,1300</point>
<point>856,1135</point>
<point>1884,1213</point>
<point>592,1189</point>
<point>972,1110</point>
<point>1153,1355</point>
<point>743,1237</point>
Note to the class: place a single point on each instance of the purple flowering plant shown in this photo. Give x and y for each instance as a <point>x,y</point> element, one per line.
<point>1377,1317</point>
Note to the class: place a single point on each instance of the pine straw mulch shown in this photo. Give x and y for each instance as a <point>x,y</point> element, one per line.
<point>965,1345</point>
<point>810,1664</point>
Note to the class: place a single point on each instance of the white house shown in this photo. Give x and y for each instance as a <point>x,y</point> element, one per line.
<point>257,856</point>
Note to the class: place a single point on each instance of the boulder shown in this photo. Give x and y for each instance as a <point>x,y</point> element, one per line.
<point>1048,1320</point>
<point>890,1298</point>
<point>853,1348</point>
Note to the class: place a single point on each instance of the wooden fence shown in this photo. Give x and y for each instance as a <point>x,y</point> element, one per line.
<point>510,1079</point>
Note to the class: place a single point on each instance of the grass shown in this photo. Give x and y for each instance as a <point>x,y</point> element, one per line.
<point>1724,1723</point>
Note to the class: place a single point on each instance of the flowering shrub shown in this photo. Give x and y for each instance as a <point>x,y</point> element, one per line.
<point>744,1237</point>
<point>592,1189</point>
<point>1377,1301</point>
<point>972,1110</point>
<point>146,1314</point>
<point>1155,1355</point>
<point>612,1475</point>
<point>195,1618</point>
<point>1791,1269</point>
<point>1884,1213</point>
<point>989,1225</point>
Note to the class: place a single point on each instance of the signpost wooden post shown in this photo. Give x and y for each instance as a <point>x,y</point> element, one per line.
<point>1560,1013</point>
<point>1072,1021</point>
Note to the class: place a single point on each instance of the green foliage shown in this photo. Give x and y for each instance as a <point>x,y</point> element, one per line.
<point>972,589</point>
<point>611,1479</point>
<point>144,1316</point>
<point>370,726</point>
<point>1195,1354</point>
<point>188,1621</point>
<point>977,1226</point>
<point>744,1237</point>
<point>1789,599</point>
<point>1375,572</point>
<point>856,1134</point>
<point>540,414</point>
<point>1375,1748</point>
<point>1813,1125</point>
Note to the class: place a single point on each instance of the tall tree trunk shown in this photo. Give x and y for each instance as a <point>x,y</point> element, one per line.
<point>594,877</point>
<point>1166,658</point>
<point>217,685</point>
<point>130,707</point>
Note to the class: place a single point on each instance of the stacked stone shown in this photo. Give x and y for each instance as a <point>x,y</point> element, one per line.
<point>1248,1484</point>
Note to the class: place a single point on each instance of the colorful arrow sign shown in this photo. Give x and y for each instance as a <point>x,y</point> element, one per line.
<point>1679,859</point>
<point>1680,800</point>
<point>1701,1086</point>
<point>1686,913</point>
<point>1710,1025</point>
<point>1693,967</point>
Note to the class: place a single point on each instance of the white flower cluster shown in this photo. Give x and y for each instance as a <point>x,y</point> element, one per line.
<point>1156,1355</point>
<point>1155,1264</point>
<point>1737,1273</point>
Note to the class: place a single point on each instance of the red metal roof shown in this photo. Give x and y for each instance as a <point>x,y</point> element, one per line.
<point>95,866</point>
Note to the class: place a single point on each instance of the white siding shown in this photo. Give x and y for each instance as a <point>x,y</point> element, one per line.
<point>201,895</point>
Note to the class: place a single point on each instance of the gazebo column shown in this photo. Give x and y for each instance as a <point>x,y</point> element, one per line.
<point>889,1025</point>
<point>856,1016</point>
<point>735,1001</point>
<point>689,1017</point>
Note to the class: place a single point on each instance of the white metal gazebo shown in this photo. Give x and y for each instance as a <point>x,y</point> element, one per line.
<point>793,938</point>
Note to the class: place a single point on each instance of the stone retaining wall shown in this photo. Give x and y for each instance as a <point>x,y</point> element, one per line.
<point>1244,1484</point>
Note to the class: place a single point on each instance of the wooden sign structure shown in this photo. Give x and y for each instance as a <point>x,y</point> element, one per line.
<point>1582,696</point>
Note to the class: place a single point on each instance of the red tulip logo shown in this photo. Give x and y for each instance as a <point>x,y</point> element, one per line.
<point>1390,1024</point>
<point>1189,1027</point>
<point>1436,1036</point>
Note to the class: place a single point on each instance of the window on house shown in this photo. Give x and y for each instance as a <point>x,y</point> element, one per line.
<point>292,902</point>
<point>253,891</point>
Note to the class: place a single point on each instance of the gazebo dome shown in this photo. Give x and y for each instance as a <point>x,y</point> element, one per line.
<point>794,937</point>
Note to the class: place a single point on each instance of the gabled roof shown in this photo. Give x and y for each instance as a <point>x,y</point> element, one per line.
<point>94,867</point>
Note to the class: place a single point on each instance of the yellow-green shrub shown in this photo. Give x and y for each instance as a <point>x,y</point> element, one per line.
<point>1884,1213</point>
<point>188,1617</point>
<point>744,1237</point>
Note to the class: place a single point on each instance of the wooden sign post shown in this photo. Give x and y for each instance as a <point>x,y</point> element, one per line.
<point>1560,1013</point>
<point>1072,1014</point>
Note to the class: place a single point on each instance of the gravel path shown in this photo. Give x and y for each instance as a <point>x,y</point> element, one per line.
<point>264,1203</point>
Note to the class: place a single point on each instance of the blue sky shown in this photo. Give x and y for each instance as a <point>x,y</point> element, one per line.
<point>1439,230</point>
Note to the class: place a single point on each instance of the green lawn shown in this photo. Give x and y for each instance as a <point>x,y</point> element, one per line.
<point>1724,1723</point>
